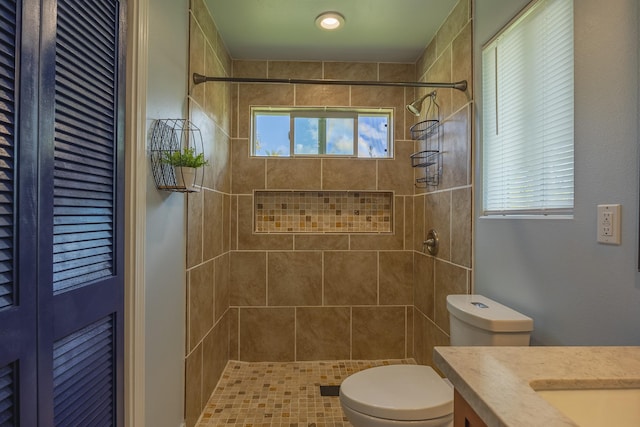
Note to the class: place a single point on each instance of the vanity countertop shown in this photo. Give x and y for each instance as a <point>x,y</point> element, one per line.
<point>499,382</point>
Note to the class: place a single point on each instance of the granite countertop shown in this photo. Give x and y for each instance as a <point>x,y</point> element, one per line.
<point>499,382</point>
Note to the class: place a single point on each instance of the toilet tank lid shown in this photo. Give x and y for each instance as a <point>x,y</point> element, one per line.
<point>487,314</point>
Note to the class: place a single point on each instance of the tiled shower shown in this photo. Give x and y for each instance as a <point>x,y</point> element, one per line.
<point>322,294</point>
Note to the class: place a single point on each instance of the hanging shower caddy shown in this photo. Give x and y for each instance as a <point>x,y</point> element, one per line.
<point>169,136</point>
<point>428,134</point>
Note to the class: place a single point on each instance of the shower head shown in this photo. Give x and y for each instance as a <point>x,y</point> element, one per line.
<point>416,106</point>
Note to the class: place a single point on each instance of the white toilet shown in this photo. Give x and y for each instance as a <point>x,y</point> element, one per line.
<point>415,395</point>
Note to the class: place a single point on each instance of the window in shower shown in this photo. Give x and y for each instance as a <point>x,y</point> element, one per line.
<point>300,132</point>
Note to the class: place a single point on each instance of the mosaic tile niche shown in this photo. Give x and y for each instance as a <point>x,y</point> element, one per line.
<point>323,212</point>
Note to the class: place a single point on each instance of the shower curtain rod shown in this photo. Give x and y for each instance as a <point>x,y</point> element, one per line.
<point>199,78</point>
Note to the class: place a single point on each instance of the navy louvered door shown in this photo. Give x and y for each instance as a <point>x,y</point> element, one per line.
<point>61,212</point>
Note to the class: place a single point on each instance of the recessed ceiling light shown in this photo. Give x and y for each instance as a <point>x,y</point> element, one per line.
<point>329,21</point>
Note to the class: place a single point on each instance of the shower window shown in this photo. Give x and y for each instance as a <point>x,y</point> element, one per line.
<point>304,132</point>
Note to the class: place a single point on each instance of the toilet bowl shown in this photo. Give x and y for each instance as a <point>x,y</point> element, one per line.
<point>397,395</point>
<point>415,395</point>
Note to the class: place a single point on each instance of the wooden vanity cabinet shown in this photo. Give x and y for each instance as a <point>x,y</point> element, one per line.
<point>463,413</point>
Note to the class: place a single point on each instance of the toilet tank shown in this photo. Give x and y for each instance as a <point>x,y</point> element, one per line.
<point>478,320</point>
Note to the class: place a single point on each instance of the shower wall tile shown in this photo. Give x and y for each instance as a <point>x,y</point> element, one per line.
<point>194,228</point>
<point>214,92</point>
<point>194,401</point>
<point>248,173</point>
<point>396,278</point>
<point>260,94</point>
<point>248,69</point>
<point>294,278</point>
<point>423,284</point>
<point>362,96</point>
<point>196,59</point>
<point>461,233</point>
<point>248,278</point>
<point>426,60</point>
<point>222,290</point>
<point>456,161</point>
<point>248,240</point>
<point>419,231</point>
<point>213,224</point>
<point>457,19</point>
<point>285,174</point>
<point>327,242</point>
<point>219,167</point>
<point>438,218</point>
<point>450,280</point>
<point>440,71</point>
<point>461,65</point>
<point>350,71</point>
<point>396,174</point>
<point>234,333</point>
<point>346,174</point>
<point>433,336</point>
<point>323,333</point>
<point>200,303</point>
<point>350,278</point>
<point>388,72</point>
<point>267,334</point>
<point>295,69</point>
<point>321,95</point>
<point>215,350</point>
<point>378,332</point>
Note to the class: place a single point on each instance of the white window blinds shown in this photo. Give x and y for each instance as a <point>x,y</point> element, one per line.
<point>527,85</point>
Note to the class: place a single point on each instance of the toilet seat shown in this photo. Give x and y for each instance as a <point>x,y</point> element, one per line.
<point>398,392</point>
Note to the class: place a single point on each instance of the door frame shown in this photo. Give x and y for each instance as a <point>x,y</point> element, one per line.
<point>135,210</point>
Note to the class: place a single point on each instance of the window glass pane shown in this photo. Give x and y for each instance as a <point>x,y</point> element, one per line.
<point>373,136</point>
<point>305,131</point>
<point>271,135</point>
<point>339,134</point>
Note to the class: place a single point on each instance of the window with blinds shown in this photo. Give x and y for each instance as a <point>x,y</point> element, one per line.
<point>527,85</point>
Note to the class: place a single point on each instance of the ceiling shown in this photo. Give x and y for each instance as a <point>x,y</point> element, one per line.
<point>374,30</point>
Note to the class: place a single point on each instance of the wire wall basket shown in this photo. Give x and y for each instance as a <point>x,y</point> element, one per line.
<point>428,137</point>
<point>170,137</point>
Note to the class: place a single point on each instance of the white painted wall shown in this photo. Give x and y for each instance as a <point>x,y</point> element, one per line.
<point>578,292</point>
<point>166,224</point>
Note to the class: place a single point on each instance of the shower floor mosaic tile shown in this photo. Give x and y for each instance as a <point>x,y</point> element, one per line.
<point>285,394</point>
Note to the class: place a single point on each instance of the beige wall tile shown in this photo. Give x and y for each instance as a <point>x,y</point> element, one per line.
<point>456,159</point>
<point>450,280</point>
<point>305,242</point>
<point>457,19</point>
<point>233,223</point>
<point>397,174</point>
<point>350,278</point>
<point>433,336</point>
<point>193,387</point>
<point>322,95</point>
<point>350,71</point>
<point>348,174</point>
<point>293,174</point>
<point>440,71</point>
<point>294,278</point>
<point>461,234</point>
<point>396,278</point>
<point>222,280</point>
<point>384,241</point>
<point>323,333</point>
<point>423,284</point>
<point>203,17</point>
<point>248,271</point>
<point>219,167</point>
<point>461,66</point>
<point>213,224</point>
<point>194,228</point>
<point>410,331</point>
<point>216,94</point>
<point>247,173</point>
<point>438,217</point>
<point>419,327</point>
<point>389,72</point>
<point>247,240</point>
<point>248,69</point>
<point>267,334</point>
<point>196,59</point>
<point>295,69</point>
<point>234,333</point>
<point>419,232</point>
<point>226,219</point>
<point>378,332</point>
<point>408,223</point>
<point>260,95</point>
<point>215,355</point>
<point>200,310</point>
<point>426,60</point>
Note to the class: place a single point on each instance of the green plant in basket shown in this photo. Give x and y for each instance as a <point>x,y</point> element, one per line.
<point>187,158</point>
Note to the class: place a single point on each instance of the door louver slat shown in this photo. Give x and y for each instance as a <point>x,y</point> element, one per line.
<point>85,128</point>
<point>8,58</point>
<point>83,375</point>
<point>8,395</point>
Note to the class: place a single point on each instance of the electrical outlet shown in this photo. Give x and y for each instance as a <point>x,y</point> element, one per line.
<point>609,224</point>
